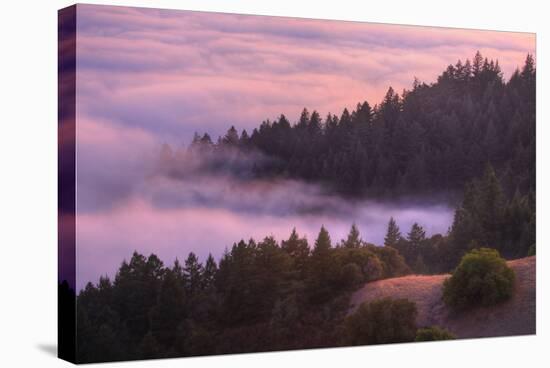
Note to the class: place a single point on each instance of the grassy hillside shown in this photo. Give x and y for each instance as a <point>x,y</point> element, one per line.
<point>517,316</point>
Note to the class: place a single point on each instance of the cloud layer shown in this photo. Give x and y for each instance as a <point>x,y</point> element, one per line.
<point>207,214</point>
<point>176,72</point>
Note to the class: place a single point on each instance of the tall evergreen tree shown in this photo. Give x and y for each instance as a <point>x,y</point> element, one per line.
<point>192,273</point>
<point>209,273</point>
<point>315,124</point>
<point>297,248</point>
<point>416,235</point>
<point>392,234</point>
<point>322,243</point>
<point>231,137</point>
<point>304,119</point>
<point>354,238</point>
<point>477,64</point>
<point>490,205</point>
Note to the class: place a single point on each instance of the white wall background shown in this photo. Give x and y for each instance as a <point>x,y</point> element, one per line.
<point>28,181</point>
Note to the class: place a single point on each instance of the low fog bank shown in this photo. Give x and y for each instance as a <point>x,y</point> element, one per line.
<point>171,208</point>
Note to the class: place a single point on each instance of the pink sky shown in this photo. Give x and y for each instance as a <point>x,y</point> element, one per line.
<point>147,76</point>
<point>176,72</point>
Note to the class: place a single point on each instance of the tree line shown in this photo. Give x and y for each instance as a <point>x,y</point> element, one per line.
<point>269,295</point>
<point>261,296</point>
<point>433,137</point>
<point>484,218</point>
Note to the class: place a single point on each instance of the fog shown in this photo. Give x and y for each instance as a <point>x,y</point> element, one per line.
<point>173,207</point>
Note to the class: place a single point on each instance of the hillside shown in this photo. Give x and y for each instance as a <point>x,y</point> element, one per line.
<point>514,317</point>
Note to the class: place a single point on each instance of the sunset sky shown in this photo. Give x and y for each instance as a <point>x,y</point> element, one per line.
<point>172,72</point>
<point>147,76</point>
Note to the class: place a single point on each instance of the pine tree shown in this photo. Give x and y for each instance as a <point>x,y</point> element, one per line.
<point>528,70</point>
<point>345,120</point>
<point>477,64</point>
<point>416,235</point>
<point>209,273</point>
<point>192,273</point>
<point>284,124</point>
<point>231,137</point>
<point>315,124</point>
<point>244,138</point>
<point>392,234</point>
<point>297,248</point>
<point>304,119</point>
<point>177,271</point>
<point>491,206</point>
<point>354,238</point>
<point>323,243</point>
<point>206,140</point>
<point>321,270</point>
<point>331,124</point>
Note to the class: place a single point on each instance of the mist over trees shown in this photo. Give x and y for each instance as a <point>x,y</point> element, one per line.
<point>471,132</point>
<point>433,137</point>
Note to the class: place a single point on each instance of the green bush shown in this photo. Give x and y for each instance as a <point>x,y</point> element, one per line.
<point>382,321</point>
<point>351,276</point>
<point>433,333</point>
<point>373,269</point>
<point>481,279</point>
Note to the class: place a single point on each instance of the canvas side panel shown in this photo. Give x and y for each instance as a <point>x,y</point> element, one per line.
<point>66,183</point>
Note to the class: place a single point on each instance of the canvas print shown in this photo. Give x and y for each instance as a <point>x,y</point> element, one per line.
<point>238,183</point>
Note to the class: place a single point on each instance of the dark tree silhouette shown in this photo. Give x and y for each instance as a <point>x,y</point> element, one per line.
<point>432,138</point>
<point>392,234</point>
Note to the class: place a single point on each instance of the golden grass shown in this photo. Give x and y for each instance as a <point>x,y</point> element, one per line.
<point>516,316</point>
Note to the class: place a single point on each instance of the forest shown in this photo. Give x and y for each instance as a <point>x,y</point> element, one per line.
<point>433,137</point>
<point>261,296</point>
<point>470,135</point>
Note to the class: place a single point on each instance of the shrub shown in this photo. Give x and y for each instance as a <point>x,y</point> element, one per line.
<point>369,264</point>
<point>393,263</point>
<point>373,269</point>
<point>433,333</point>
<point>481,279</point>
<point>380,322</point>
<point>351,276</point>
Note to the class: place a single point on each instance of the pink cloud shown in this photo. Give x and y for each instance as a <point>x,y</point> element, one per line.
<point>105,239</point>
<point>191,71</point>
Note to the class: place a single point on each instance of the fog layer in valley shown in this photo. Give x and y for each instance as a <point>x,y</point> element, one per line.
<point>173,206</point>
